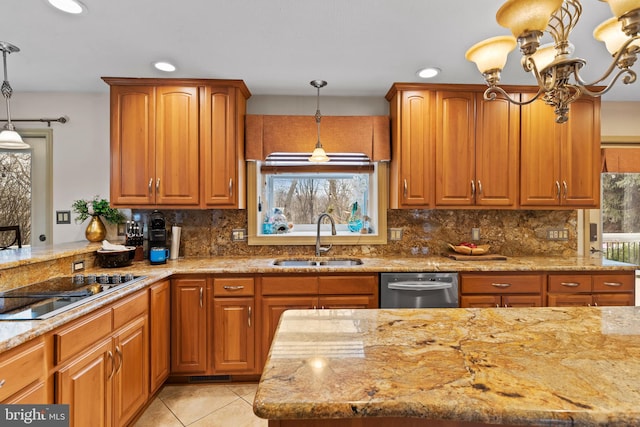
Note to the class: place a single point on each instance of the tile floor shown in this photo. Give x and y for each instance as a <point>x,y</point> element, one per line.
<point>202,405</point>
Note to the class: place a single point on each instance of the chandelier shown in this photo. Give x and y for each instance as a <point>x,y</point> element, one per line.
<point>556,71</point>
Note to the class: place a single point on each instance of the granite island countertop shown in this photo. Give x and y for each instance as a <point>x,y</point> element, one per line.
<point>529,366</point>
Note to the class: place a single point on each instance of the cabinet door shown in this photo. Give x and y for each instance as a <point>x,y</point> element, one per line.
<point>272,309</point>
<point>347,301</point>
<point>497,152</point>
<point>455,148</point>
<point>159,336</point>
<point>219,152</point>
<point>480,301</point>
<point>569,300</point>
<point>188,326</point>
<point>581,155</point>
<point>234,335</point>
<point>614,299</point>
<point>131,379</point>
<point>85,385</point>
<point>412,156</point>
<point>177,172</point>
<point>132,145</point>
<point>522,301</point>
<point>540,144</point>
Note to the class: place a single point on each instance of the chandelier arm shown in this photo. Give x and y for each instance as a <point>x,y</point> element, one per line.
<point>629,77</point>
<point>492,93</point>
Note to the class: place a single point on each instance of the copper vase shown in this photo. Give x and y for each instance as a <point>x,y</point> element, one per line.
<point>96,231</point>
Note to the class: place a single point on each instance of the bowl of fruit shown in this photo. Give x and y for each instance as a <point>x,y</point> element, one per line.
<point>468,248</point>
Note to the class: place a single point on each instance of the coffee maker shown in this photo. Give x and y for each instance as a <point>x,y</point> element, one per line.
<point>157,231</point>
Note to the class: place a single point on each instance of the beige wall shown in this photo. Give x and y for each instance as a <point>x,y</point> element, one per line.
<point>620,118</point>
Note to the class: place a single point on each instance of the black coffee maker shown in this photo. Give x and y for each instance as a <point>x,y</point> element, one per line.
<point>157,231</point>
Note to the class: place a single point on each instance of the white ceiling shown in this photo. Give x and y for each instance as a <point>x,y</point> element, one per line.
<point>276,46</point>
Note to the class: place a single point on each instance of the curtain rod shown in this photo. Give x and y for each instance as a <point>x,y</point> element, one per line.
<point>61,119</point>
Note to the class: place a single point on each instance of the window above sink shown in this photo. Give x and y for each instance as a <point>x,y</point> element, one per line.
<point>285,201</point>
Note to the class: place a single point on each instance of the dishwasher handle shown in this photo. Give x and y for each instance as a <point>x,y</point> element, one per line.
<point>416,285</point>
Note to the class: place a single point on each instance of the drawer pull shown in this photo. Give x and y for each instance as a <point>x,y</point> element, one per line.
<point>614,284</point>
<point>501,285</point>
<point>2,381</point>
<point>570,284</point>
<point>233,288</point>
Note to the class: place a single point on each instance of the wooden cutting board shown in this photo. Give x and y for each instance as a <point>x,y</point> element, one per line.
<point>485,257</point>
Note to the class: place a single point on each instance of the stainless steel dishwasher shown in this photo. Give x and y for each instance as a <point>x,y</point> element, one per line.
<point>418,290</point>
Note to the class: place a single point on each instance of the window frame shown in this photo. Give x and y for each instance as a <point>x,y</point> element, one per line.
<point>253,238</point>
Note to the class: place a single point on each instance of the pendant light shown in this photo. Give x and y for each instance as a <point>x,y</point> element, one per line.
<point>9,138</point>
<point>318,154</point>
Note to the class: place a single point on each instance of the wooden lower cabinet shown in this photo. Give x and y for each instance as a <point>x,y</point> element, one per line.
<point>23,376</point>
<point>159,334</point>
<point>106,381</point>
<point>585,289</point>
<point>188,326</point>
<point>479,290</point>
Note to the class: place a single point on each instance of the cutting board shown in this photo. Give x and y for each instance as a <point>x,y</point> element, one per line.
<point>485,257</point>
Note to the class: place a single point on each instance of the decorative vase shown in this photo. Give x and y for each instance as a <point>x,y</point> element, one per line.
<point>96,230</point>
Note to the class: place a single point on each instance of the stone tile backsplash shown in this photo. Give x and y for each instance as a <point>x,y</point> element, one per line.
<point>510,233</point>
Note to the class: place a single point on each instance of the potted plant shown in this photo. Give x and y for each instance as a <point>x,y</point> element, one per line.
<point>95,209</point>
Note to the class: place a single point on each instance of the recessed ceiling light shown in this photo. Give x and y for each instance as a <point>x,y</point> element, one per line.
<point>69,6</point>
<point>428,73</point>
<point>164,66</point>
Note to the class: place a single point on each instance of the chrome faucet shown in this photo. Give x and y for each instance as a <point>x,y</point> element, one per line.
<point>320,249</point>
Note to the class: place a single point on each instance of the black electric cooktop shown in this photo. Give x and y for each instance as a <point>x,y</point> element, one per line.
<point>43,300</point>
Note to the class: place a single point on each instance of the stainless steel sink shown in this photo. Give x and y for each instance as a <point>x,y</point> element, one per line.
<point>315,262</point>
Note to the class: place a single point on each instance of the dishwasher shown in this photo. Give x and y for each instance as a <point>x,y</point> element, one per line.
<point>418,290</point>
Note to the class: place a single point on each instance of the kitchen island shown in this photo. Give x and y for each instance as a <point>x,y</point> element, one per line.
<point>454,367</point>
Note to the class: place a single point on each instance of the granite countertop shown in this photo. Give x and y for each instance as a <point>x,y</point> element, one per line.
<point>528,366</point>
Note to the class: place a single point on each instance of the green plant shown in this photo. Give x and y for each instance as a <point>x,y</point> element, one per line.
<point>87,208</point>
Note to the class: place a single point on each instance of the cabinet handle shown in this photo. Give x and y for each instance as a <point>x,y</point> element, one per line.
<point>570,284</point>
<point>150,184</point>
<point>233,288</point>
<point>506,305</point>
<point>473,189</point>
<point>566,189</point>
<point>249,317</point>
<point>405,188</point>
<point>479,187</point>
<point>557,190</point>
<point>230,187</point>
<point>501,285</point>
<point>113,364</point>
<point>497,305</point>
<point>119,353</point>
<point>2,381</point>
<point>201,295</point>
<point>158,185</point>
<point>614,284</point>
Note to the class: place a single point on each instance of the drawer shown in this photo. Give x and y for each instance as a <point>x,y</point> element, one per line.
<point>614,282</point>
<point>500,283</point>
<point>128,309</point>
<point>233,286</point>
<point>290,285</point>
<point>348,285</point>
<point>569,283</point>
<point>81,334</point>
<point>21,366</point>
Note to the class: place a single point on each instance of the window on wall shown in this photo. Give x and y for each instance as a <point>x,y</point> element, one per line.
<point>286,200</point>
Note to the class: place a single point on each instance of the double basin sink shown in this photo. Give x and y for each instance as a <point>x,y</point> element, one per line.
<point>316,262</point>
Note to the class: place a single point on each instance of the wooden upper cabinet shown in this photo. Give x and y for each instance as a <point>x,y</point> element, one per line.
<point>560,163</point>
<point>412,149</point>
<point>177,142</point>
<point>477,148</point>
<point>222,148</point>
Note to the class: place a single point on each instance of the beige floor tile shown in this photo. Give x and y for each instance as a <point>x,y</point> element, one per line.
<point>245,391</point>
<point>237,414</point>
<point>157,414</point>
<point>191,402</point>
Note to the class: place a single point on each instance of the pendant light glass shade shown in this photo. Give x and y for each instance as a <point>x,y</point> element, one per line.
<point>525,16</point>
<point>319,155</point>
<point>610,32</point>
<point>622,7</point>
<point>9,138</point>
<point>491,54</point>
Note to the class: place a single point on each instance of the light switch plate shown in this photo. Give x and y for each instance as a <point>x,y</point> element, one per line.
<point>238,234</point>
<point>395,234</point>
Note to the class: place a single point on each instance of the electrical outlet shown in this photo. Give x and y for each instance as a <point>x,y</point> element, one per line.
<point>238,235</point>
<point>475,234</point>
<point>77,266</point>
<point>395,234</point>
<point>558,234</point>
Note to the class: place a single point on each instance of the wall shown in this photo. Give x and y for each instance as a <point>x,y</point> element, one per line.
<point>81,153</point>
